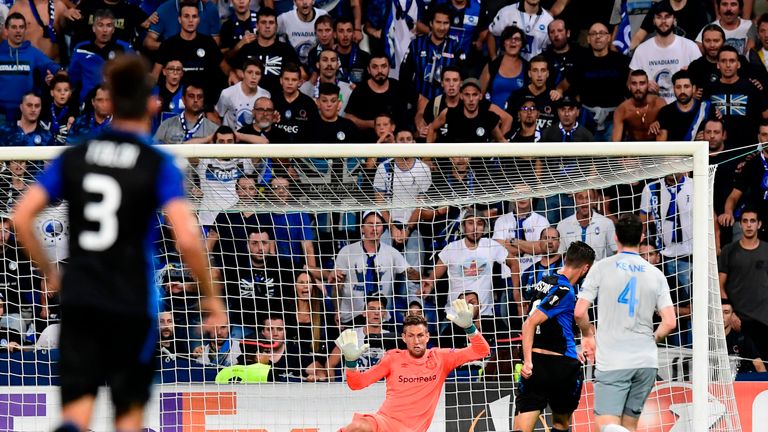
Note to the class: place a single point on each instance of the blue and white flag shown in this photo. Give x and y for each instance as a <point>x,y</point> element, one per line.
<point>624,33</point>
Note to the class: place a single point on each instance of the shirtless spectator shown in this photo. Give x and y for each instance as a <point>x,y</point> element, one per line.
<point>633,117</point>
<point>43,31</point>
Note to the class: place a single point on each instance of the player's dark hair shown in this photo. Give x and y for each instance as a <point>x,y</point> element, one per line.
<point>681,74</point>
<point>629,229</point>
<point>328,89</point>
<point>727,48</point>
<point>188,3</point>
<point>253,61</point>
<point>382,300</point>
<point>324,19</point>
<point>342,20</point>
<point>103,14</point>
<point>129,86</point>
<point>441,9</point>
<point>714,28</point>
<point>265,12</point>
<point>578,254</point>
<point>638,72</point>
<point>290,67</point>
<point>750,210</point>
<point>762,19</point>
<point>451,68</point>
<point>414,320</point>
<point>14,16</point>
<point>538,59</point>
<point>222,130</point>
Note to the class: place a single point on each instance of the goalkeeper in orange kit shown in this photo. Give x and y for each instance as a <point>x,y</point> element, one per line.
<point>414,376</point>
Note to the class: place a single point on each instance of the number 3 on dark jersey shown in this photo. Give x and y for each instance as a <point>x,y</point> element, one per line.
<point>103,212</point>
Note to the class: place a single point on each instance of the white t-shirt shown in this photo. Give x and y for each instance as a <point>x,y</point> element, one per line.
<point>628,290</point>
<point>507,227</point>
<point>737,37</point>
<point>300,34</point>
<point>660,63</point>
<point>52,230</point>
<point>472,270</point>
<point>598,234</point>
<point>352,260</point>
<point>655,201</point>
<point>534,26</point>
<point>236,107</point>
<point>402,189</point>
<point>218,181</point>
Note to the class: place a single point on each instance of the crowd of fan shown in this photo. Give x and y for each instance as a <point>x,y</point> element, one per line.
<point>383,71</point>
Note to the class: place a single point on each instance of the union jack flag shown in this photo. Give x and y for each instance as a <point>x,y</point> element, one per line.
<point>731,104</point>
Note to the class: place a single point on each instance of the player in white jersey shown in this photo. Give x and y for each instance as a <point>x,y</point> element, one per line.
<point>628,290</point>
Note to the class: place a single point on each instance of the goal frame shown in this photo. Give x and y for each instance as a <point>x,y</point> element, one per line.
<point>697,150</point>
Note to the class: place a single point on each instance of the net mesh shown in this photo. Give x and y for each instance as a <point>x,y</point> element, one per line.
<point>299,257</point>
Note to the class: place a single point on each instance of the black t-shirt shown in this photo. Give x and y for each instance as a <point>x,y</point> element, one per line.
<point>340,131</point>
<point>560,65</point>
<point>353,65</point>
<point>682,126</point>
<point>296,117</point>
<point>258,291</point>
<point>366,104</point>
<point>688,21</point>
<point>600,81</point>
<point>742,346</point>
<point>753,182</point>
<point>462,129</point>
<point>232,228</point>
<point>233,30</point>
<point>703,72</point>
<point>741,106</point>
<point>201,58</point>
<point>545,104</point>
<point>275,135</point>
<point>725,175</point>
<point>16,281</point>
<point>273,57</point>
<point>128,19</point>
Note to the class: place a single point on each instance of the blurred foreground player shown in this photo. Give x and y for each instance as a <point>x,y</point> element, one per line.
<point>415,376</point>
<point>108,284</point>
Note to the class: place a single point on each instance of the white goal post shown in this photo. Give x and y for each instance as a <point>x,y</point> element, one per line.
<point>683,157</point>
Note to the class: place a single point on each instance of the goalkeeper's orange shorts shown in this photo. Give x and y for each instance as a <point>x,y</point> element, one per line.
<point>381,423</point>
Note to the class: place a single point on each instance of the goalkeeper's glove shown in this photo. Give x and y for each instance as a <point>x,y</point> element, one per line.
<point>463,315</point>
<point>347,343</point>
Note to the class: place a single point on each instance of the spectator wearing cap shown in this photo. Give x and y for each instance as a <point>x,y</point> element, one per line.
<point>634,118</point>
<point>538,75</point>
<point>599,79</point>
<point>368,269</point>
<point>507,72</point>
<point>469,264</point>
<point>529,16</point>
<point>527,129</point>
<point>89,57</point>
<point>690,18</point>
<point>167,24</point>
<point>471,121</point>
<point>740,33</point>
<point>567,129</point>
<point>665,53</point>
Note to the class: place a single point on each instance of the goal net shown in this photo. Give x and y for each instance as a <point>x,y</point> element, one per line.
<point>308,240</point>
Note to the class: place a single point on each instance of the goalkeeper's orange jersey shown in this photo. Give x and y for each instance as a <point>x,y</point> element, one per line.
<point>414,384</point>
